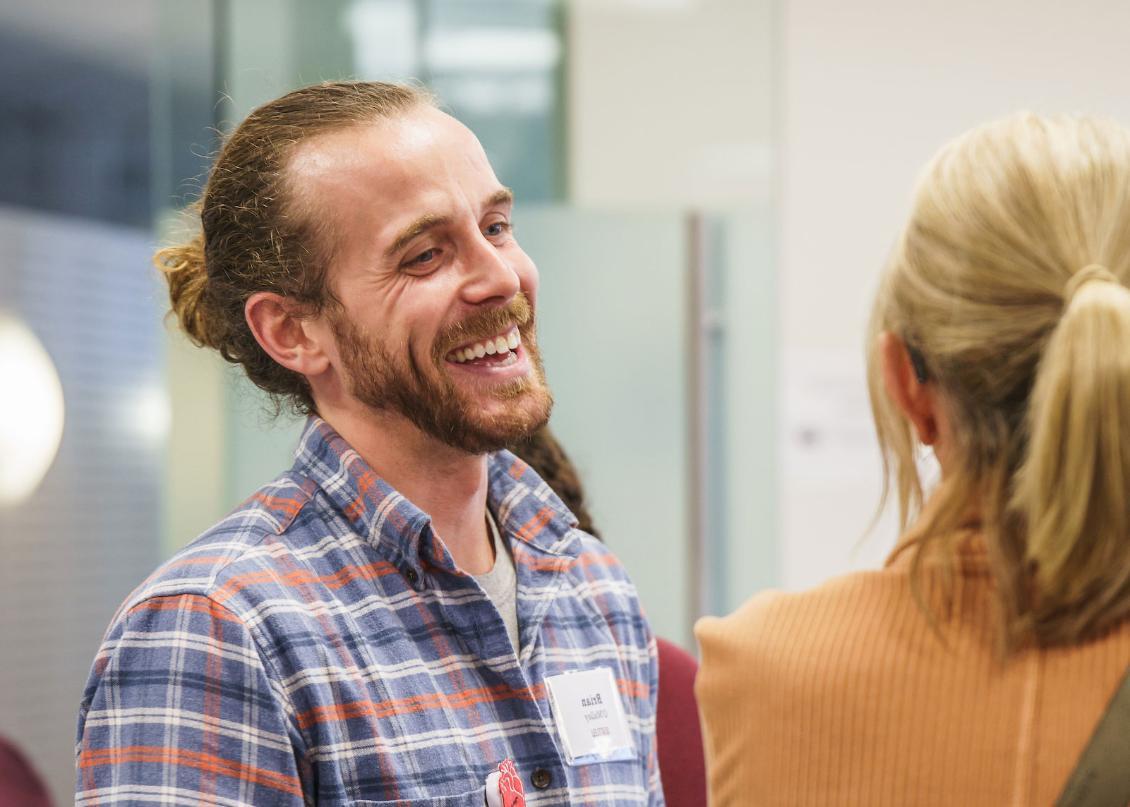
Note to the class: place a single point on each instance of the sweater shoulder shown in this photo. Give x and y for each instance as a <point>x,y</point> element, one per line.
<point>829,605</point>
<point>779,634</point>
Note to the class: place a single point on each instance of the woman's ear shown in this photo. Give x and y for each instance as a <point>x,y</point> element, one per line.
<point>284,334</point>
<point>907,386</point>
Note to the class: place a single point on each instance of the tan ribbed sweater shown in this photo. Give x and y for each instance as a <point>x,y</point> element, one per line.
<point>844,696</point>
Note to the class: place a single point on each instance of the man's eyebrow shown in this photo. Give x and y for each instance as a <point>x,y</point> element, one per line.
<point>503,196</point>
<point>416,228</point>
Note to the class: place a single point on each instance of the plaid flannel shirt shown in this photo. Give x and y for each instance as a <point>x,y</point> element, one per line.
<point>319,645</point>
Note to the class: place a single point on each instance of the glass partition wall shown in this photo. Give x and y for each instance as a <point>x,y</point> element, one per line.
<point>93,121</point>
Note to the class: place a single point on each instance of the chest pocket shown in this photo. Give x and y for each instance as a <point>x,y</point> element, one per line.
<point>474,798</point>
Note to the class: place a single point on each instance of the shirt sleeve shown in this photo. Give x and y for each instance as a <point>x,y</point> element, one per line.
<point>654,783</point>
<point>180,709</point>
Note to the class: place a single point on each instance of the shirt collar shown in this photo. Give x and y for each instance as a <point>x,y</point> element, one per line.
<point>527,509</point>
<point>524,506</point>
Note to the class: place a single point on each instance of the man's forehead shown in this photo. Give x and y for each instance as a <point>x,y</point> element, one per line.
<point>425,139</point>
<point>375,181</point>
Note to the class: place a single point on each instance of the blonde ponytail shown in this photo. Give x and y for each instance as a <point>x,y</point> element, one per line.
<point>1072,489</point>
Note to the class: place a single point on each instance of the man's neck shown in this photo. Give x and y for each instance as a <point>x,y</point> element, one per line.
<point>448,484</point>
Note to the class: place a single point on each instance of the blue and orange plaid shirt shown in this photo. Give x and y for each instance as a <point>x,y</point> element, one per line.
<point>319,646</point>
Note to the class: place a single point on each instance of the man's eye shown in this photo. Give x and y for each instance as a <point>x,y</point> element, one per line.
<point>424,257</point>
<point>497,228</point>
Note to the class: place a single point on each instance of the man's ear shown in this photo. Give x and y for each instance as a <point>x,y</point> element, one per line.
<point>285,334</point>
<point>915,398</point>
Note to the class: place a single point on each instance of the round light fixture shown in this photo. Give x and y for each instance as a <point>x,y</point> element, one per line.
<point>31,411</point>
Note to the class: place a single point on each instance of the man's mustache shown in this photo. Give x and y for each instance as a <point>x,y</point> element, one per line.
<point>485,324</point>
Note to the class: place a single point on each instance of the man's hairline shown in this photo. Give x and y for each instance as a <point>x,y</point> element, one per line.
<point>297,202</point>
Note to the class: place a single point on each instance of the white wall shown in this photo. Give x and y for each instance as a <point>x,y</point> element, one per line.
<point>870,89</point>
<point>670,101</point>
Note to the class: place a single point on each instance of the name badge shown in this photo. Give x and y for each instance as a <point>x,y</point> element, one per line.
<point>590,716</point>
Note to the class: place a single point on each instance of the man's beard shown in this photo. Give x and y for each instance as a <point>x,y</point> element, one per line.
<point>430,400</point>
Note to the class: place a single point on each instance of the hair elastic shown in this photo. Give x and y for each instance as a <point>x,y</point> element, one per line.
<point>1090,272</point>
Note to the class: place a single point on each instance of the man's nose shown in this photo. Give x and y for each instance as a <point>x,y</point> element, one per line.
<point>490,277</point>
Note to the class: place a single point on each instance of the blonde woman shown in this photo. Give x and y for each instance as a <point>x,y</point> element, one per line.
<point>973,668</point>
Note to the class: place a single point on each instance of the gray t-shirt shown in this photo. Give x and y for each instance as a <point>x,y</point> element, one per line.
<point>501,583</point>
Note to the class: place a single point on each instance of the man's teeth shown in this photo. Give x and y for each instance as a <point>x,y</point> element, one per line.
<point>488,347</point>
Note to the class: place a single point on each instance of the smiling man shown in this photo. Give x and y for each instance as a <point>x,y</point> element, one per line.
<point>408,615</point>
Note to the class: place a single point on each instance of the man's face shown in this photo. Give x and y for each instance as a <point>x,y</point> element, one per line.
<point>436,314</point>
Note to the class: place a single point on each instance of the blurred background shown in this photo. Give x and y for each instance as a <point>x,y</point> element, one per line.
<point>709,188</point>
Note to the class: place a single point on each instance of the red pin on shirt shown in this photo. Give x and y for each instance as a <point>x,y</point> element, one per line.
<point>504,786</point>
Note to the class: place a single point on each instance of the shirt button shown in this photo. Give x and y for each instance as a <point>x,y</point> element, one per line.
<point>411,576</point>
<point>541,779</point>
